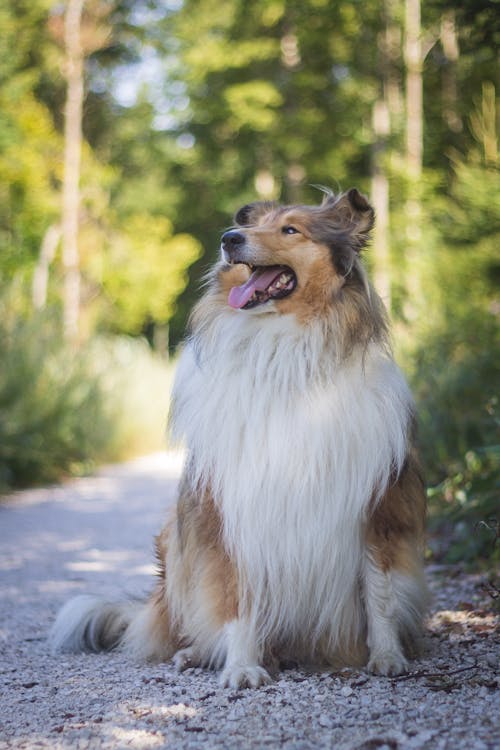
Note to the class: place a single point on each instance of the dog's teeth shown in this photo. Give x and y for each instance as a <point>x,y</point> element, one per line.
<point>283,278</point>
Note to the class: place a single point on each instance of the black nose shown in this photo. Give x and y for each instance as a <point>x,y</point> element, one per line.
<point>232,239</point>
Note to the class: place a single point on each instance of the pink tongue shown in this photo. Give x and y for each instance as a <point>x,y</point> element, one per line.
<point>258,282</point>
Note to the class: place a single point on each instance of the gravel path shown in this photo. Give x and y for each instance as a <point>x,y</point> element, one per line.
<point>95,535</point>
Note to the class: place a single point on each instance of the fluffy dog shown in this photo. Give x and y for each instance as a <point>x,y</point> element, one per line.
<point>298,528</point>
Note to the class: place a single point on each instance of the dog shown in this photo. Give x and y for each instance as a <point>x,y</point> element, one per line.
<point>298,529</point>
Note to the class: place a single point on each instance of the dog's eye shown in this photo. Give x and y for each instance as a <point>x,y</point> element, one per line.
<point>289,230</point>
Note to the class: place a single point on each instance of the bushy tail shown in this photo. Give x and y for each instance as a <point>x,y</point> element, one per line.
<point>140,628</point>
<point>90,623</point>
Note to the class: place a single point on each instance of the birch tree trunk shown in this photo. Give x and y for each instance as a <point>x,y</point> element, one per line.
<point>449,44</point>
<point>48,249</point>
<point>72,156</point>
<point>414,89</point>
<point>380,201</point>
<point>414,152</point>
<point>386,111</point>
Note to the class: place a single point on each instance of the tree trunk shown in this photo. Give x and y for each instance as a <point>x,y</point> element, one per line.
<point>72,157</point>
<point>414,89</point>
<point>380,201</point>
<point>386,110</point>
<point>449,44</point>
<point>48,249</point>
<point>484,124</point>
<point>414,153</point>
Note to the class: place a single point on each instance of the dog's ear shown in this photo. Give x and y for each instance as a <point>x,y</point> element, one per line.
<point>251,213</point>
<point>352,213</point>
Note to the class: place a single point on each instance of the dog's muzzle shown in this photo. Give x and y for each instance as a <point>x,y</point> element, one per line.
<point>232,243</point>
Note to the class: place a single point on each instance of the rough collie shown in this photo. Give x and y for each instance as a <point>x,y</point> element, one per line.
<point>297,533</point>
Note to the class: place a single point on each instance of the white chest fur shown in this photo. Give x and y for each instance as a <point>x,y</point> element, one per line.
<point>294,445</point>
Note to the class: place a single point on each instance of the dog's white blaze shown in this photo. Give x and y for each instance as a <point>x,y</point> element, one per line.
<point>295,443</point>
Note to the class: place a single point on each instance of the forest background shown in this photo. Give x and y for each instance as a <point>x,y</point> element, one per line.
<point>130,132</point>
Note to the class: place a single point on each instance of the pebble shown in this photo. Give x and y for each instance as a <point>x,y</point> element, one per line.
<point>493,660</point>
<point>325,721</point>
<point>347,691</point>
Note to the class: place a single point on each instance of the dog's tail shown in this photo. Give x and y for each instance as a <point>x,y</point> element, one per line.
<point>90,624</point>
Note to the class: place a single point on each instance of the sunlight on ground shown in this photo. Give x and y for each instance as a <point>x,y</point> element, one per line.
<point>460,624</point>
<point>158,717</point>
<point>98,560</point>
<point>144,570</point>
<point>152,713</point>
<point>90,566</point>
<point>137,738</point>
<point>103,566</point>
<point>168,463</point>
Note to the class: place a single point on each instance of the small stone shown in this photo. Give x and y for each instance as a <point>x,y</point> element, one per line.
<point>325,721</point>
<point>492,660</point>
<point>346,691</point>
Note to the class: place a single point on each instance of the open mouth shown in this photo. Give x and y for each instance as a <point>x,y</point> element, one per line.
<point>265,283</point>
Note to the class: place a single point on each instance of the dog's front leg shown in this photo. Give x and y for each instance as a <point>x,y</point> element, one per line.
<point>243,665</point>
<point>381,601</point>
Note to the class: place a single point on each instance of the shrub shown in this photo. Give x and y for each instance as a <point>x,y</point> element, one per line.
<point>64,410</point>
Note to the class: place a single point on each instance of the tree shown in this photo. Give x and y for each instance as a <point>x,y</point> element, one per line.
<point>73,70</point>
<point>30,163</point>
<point>279,96</point>
<point>414,59</point>
<point>144,272</point>
<point>386,110</point>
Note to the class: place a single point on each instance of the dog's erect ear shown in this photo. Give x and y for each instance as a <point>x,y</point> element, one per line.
<point>250,213</point>
<point>352,213</point>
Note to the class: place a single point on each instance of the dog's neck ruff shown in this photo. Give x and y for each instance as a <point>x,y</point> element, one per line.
<point>294,443</point>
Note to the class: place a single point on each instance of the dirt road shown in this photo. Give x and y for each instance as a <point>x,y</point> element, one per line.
<point>96,535</point>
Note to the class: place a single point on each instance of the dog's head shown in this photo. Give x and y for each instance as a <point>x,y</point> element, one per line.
<point>294,258</point>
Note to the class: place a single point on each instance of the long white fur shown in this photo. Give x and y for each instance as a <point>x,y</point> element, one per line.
<point>295,442</point>
<point>81,621</point>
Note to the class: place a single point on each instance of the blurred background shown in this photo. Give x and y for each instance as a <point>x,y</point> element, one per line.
<point>131,131</point>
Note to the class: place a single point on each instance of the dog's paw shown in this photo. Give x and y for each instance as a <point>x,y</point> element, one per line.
<point>186,658</point>
<point>388,663</point>
<point>244,677</point>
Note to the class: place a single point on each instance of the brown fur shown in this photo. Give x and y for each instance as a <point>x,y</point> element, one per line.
<point>200,577</point>
<point>200,533</point>
<point>398,521</point>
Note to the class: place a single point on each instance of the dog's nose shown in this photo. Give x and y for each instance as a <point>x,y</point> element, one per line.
<point>232,239</point>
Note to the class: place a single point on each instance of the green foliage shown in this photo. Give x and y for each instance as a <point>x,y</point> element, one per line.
<point>136,384</point>
<point>62,410</point>
<point>30,150</point>
<point>133,262</point>
<point>253,105</point>
<point>29,162</point>
<point>144,271</point>
<point>52,416</point>
<point>454,362</point>
<point>464,508</point>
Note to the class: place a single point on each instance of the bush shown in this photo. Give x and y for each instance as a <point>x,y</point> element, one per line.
<point>62,411</point>
<point>453,357</point>
<point>464,516</point>
<point>454,375</point>
<point>135,385</point>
